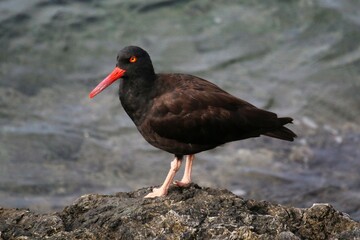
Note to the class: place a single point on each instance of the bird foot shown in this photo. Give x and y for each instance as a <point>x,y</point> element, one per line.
<point>182,183</point>
<point>157,192</point>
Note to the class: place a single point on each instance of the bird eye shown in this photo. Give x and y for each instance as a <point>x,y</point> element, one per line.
<point>133,59</point>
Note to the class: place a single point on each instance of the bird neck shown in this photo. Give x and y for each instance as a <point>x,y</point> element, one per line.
<point>136,96</point>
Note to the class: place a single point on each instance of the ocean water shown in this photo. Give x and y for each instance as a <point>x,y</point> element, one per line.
<point>297,58</point>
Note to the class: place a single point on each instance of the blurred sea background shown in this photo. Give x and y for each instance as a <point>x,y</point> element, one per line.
<point>297,58</point>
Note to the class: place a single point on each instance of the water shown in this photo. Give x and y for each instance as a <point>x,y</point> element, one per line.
<point>297,58</point>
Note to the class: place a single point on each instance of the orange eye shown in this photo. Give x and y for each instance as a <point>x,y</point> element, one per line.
<point>133,59</point>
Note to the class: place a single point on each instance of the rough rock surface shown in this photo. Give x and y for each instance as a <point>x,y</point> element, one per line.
<point>190,213</point>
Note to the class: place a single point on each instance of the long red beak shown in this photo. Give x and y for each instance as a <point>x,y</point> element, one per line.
<point>112,77</point>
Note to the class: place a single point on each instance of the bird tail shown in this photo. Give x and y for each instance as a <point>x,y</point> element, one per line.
<point>282,132</point>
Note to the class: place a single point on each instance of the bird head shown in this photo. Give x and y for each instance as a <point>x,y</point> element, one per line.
<point>132,63</point>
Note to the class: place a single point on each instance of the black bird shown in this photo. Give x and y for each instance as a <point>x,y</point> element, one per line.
<point>184,114</point>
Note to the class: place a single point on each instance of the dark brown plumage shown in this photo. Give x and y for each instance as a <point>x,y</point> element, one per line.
<point>184,114</point>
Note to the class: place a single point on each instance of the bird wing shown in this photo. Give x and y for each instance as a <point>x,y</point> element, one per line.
<point>199,112</point>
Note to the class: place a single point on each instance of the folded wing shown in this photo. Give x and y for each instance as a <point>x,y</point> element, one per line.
<point>205,114</point>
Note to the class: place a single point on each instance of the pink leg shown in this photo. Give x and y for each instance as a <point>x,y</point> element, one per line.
<point>186,180</point>
<point>162,191</point>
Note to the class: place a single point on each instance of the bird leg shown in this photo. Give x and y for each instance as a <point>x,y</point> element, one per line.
<point>162,191</point>
<point>186,179</point>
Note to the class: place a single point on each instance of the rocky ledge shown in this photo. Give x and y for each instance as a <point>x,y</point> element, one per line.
<point>189,213</point>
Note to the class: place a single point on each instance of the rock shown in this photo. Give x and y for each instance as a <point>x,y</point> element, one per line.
<point>189,213</point>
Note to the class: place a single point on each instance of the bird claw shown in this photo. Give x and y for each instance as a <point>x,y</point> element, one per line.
<point>156,192</point>
<point>182,183</point>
